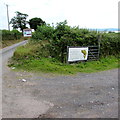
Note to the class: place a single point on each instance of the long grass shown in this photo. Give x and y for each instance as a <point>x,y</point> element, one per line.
<point>6,43</point>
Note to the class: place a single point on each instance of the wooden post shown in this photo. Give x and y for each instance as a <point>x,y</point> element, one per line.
<point>99,41</point>
<point>67,55</point>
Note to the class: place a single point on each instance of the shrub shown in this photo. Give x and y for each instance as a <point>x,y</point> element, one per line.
<point>110,44</point>
<point>11,35</point>
<point>65,36</point>
<point>16,34</point>
<point>43,32</point>
<point>58,38</point>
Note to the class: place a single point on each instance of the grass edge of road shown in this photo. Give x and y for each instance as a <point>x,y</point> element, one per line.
<point>7,43</point>
<point>50,65</point>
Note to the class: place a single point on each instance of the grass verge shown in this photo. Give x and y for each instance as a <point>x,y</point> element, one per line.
<point>50,65</point>
<point>6,43</point>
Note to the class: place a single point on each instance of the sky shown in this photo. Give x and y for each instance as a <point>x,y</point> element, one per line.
<point>82,13</point>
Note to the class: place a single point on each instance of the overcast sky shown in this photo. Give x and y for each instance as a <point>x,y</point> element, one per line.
<point>85,13</point>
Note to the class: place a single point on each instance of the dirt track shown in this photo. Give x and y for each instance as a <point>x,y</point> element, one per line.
<point>43,95</point>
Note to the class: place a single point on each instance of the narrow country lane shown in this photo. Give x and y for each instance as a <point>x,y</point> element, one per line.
<point>41,95</point>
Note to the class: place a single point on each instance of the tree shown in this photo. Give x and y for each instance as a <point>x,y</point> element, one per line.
<point>19,21</point>
<point>34,22</point>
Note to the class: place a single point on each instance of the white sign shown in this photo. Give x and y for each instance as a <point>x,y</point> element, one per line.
<point>77,54</point>
<point>27,32</point>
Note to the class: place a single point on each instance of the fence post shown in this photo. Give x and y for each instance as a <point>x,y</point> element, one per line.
<point>99,41</point>
<point>67,55</point>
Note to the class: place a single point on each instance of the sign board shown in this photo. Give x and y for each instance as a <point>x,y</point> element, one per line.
<point>27,32</point>
<point>77,53</point>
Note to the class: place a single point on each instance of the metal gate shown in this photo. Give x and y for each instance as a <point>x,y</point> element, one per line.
<point>93,53</point>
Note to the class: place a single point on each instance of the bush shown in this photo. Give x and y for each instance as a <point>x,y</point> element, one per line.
<point>58,38</point>
<point>11,35</point>
<point>17,35</point>
<point>43,32</point>
<point>65,36</point>
<point>110,44</point>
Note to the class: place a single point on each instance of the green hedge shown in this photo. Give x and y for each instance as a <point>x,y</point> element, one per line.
<point>62,35</point>
<point>11,35</point>
<point>110,44</point>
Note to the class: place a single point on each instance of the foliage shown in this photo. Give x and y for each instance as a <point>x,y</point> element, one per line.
<point>35,51</point>
<point>52,42</point>
<point>19,21</point>
<point>62,35</point>
<point>43,32</point>
<point>34,22</point>
<point>110,44</point>
<point>47,50</point>
<point>11,35</point>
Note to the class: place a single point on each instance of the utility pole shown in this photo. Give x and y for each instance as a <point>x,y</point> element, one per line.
<point>8,17</point>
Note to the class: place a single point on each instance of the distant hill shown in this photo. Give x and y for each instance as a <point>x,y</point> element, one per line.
<point>106,29</point>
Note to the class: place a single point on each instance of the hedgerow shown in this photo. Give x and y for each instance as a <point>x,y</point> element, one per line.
<point>61,36</point>
<point>11,35</point>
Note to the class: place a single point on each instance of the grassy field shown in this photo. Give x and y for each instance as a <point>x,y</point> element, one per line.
<point>50,65</point>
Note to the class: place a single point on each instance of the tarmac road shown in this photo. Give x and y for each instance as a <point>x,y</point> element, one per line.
<point>32,95</point>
